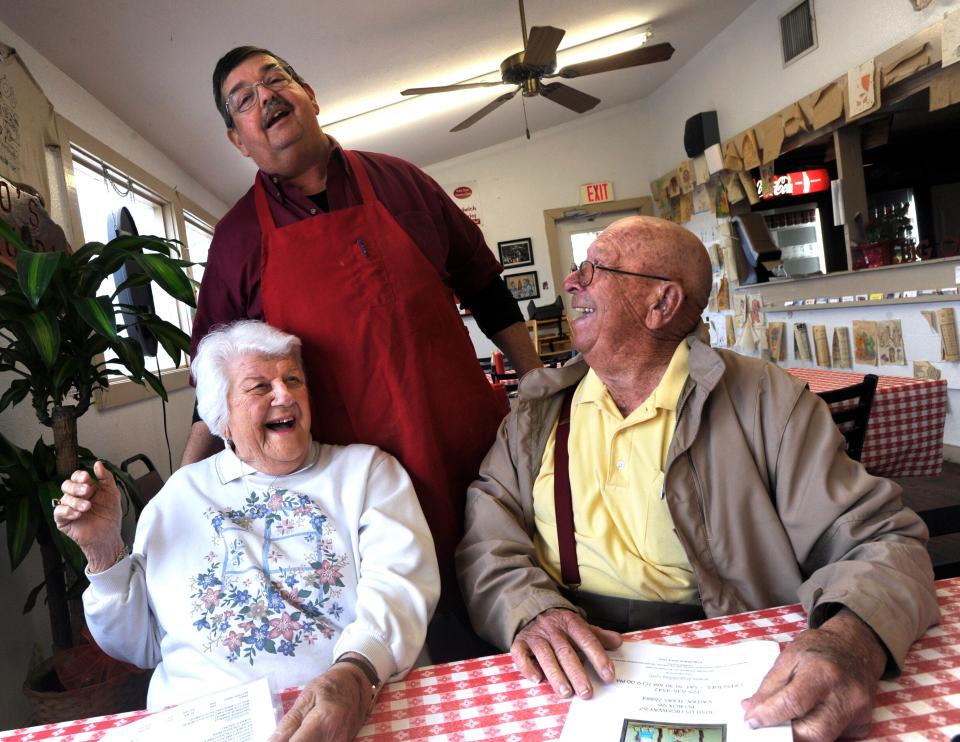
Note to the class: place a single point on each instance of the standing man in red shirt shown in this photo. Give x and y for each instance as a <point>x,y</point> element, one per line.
<point>359,254</point>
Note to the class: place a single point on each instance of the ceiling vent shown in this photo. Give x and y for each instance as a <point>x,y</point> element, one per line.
<point>798,32</point>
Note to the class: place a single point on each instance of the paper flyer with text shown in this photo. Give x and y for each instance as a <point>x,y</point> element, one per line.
<point>676,693</point>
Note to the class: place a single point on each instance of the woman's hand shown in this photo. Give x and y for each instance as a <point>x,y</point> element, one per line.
<point>331,708</point>
<point>89,513</point>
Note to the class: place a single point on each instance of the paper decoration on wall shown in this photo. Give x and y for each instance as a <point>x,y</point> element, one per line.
<point>713,156</point>
<point>862,94</point>
<point>740,309</point>
<point>820,347</point>
<point>686,207</point>
<point>841,348</point>
<point>865,342</point>
<point>766,180</point>
<point>748,341</point>
<point>701,174</point>
<point>731,184</point>
<point>749,150</point>
<point>775,345</point>
<point>825,105</point>
<point>749,187</point>
<point>913,59</point>
<point>948,334</point>
<point>701,199</point>
<point>762,342</point>
<point>755,308</point>
<point>945,89</point>
<point>731,332</point>
<point>721,203</point>
<point>770,133</point>
<point>723,295</point>
<point>793,120</point>
<point>731,156</point>
<point>801,342</point>
<point>712,299</point>
<point>685,174</point>
<point>673,183</point>
<point>950,39</point>
<point>716,260</point>
<point>890,343</point>
<point>658,189</point>
<point>925,370</point>
<point>931,317</point>
<point>22,210</point>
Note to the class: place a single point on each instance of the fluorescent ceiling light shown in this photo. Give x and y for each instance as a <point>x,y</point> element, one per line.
<point>396,111</point>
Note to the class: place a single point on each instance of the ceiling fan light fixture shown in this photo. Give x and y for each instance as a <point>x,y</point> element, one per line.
<point>605,46</point>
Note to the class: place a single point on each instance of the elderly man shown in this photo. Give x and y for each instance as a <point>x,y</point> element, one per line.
<point>359,254</point>
<point>654,480</point>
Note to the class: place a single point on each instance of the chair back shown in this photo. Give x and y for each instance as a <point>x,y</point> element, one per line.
<point>852,418</point>
<point>943,521</point>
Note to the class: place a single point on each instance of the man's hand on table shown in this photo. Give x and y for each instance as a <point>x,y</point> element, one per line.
<point>331,708</point>
<point>824,681</point>
<point>547,648</point>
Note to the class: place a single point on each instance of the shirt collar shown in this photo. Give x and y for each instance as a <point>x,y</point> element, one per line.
<point>277,187</point>
<point>230,467</point>
<point>665,396</point>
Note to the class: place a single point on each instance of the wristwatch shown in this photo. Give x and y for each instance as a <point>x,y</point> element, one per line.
<point>366,668</point>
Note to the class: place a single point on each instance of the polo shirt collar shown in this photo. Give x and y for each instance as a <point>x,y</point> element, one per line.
<point>276,187</point>
<point>229,466</point>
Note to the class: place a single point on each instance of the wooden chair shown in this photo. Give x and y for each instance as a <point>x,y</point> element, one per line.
<point>943,521</point>
<point>852,419</point>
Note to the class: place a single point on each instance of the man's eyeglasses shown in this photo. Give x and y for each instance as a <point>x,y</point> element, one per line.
<point>585,272</point>
<point>243,98</point>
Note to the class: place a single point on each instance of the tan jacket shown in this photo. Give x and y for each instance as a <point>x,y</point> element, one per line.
<point>766,504</point>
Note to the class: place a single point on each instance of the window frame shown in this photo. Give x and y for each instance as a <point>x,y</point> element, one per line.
<point>121,390</point>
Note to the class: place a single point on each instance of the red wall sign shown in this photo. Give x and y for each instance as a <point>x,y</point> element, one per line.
<point>797,184</point>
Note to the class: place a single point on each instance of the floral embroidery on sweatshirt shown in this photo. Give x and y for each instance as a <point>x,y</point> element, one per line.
<point>273,580</point>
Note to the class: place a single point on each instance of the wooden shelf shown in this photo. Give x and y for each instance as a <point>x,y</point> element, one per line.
<point>551,337</point>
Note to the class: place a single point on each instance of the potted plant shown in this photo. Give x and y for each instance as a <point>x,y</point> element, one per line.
<point>54,330</point>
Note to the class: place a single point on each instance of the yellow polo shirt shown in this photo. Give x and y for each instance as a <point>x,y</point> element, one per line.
<point>626,546</point>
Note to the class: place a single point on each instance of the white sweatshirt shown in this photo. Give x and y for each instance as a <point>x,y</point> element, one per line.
<point>237,575</point>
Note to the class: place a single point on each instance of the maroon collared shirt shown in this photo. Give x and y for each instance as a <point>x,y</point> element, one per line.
<point>452,243</point>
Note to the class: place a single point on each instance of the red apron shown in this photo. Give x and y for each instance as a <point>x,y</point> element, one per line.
<point>388,359</point>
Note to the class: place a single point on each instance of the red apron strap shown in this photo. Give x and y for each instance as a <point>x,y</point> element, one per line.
<point>562,499</point>
<point>360,173</point>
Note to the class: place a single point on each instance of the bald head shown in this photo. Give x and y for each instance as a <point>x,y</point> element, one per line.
<point>657,246</point>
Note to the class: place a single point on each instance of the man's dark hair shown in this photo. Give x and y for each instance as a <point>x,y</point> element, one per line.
<point>229,61</point>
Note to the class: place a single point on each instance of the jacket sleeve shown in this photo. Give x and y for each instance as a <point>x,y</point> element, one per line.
<point>399,581</point>
<point>500,577</point>
<point>855,542</point>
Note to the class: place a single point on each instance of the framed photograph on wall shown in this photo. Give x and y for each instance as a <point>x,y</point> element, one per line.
<point>523,285</point>
<point>516,253</point>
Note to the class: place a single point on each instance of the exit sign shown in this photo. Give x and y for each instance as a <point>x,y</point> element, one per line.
<point>595,193</point>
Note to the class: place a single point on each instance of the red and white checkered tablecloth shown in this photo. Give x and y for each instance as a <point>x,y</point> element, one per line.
<point>485,699</point>
<point>905,431</point>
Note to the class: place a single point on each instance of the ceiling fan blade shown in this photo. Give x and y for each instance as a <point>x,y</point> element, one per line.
<point>568,97</point>
<point>448,88</point>
<point>489,108</point>
<point>632,58</point>
<point>542,45</point>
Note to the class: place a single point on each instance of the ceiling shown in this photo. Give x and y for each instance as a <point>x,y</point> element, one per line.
<point>150,63</point>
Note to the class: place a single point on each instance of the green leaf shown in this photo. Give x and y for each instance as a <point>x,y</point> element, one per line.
<point>32,597</point>
<point>174,340</point>
<point>98,313</point>
<point>44,331</point>
<point>23,522</point>
<point>156,385</point>
<point>169,277</point>
<point>9,234</point>
<point>85,253</point>
<point>130,355</point>
<point>64,371</point>
<point>35,271</point>
<point>15,394</point>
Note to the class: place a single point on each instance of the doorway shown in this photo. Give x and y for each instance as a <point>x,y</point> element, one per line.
<point>570,231</point>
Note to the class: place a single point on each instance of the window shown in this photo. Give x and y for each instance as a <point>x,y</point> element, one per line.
<point>102,191</point>
<point>199,236</point>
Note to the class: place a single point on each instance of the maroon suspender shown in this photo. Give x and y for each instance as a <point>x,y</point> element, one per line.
<point>562,500</point>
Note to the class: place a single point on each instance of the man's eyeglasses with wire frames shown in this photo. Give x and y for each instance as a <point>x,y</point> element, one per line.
<point>585,272</point>
<point>243,97</point>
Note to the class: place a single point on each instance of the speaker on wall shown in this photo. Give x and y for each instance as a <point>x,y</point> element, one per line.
<point>700,132</point>
<point>139,296</point>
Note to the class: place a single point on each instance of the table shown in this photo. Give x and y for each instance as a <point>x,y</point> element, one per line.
<point>486,699</point>
<point>905,432</point>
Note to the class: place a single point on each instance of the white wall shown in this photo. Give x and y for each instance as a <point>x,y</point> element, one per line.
<point>114,434</point>
<point>518,180</point>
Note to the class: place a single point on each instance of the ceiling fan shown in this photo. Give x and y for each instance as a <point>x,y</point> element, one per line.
<point>529,68</point>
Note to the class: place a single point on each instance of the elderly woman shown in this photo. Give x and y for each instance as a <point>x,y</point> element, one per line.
<point>278,556</point>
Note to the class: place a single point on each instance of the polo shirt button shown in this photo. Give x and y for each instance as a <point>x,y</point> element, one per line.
<point>275,179</point>
<point>620,464</point>
<point>313,211</point>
